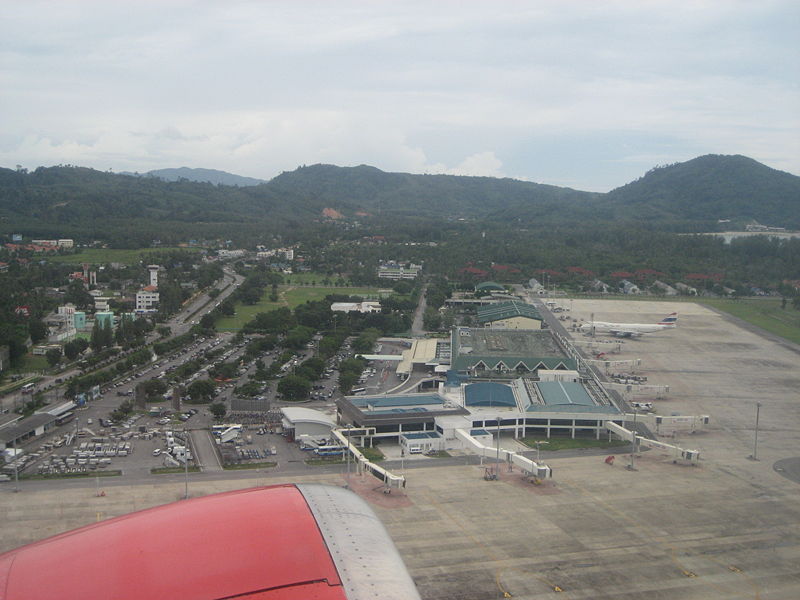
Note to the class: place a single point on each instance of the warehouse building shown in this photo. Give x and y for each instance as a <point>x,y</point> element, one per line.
<point>298,421</point>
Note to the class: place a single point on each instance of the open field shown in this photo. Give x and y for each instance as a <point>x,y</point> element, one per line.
<point>728,529</point>
<point>106,255</point>
<point>306,277</point>
<point>765,313</point>
<point>290,296</point>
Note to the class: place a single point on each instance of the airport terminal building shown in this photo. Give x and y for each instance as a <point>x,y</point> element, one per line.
<point>518,380</point>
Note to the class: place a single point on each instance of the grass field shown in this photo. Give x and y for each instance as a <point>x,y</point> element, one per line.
<point>98,256</point>
<point>288,296</point>
<point>762,312</point>
<point>86,475</point>
<point>30,364</point>
<point>306,278</point>
<point>245,466</point>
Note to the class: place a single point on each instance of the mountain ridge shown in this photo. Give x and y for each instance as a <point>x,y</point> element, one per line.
<point>688,196</point>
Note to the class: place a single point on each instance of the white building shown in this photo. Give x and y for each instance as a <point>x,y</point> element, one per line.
<point>361,307</point>
<point>153,269</point>
<point>396,271</point>
<point>147,300</point>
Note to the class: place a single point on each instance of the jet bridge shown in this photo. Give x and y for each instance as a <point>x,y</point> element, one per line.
<point>390,480</point>
<point>675,452</point>
<point>529,467</point>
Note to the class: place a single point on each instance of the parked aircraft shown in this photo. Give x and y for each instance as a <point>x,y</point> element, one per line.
<point>630,329</point>
<point>278,542</point>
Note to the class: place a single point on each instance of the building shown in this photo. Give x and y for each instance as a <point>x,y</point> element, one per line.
<point>147,300</point>
<point>396,271</point>
<point>521,407</point>
<point>360,307</point>
<point>665,287</point>
<point>153,270</point>
<point>104,319</point>
<point>489,287</point>
<point>505,353</point>
<point>509,315</point>
<point>628,287</point>
<point>536,287</point>
<point>298,421</point>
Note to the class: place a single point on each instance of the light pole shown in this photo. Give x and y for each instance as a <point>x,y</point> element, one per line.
<point>186,463</point>
<point>754,456</point>
<point>497,461</point>
<point>16,468</point>
<point>633,442</point>
<point>347,457</point>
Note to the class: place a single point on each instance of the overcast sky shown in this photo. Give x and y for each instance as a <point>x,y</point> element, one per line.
<point>583,94</point>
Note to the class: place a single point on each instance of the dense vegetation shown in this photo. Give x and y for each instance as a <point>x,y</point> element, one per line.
<point>129,211</point>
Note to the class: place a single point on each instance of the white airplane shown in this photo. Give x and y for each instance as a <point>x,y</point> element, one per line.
<point>630,329</point>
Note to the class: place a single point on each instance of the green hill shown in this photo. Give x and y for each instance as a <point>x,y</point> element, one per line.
<point>370,190</point>
<point>130,211</point>
<point>709,188</point>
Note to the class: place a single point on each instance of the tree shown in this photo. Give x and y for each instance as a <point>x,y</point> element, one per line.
<point>218,410</point>
<point>53,356</point>
<point>96,340</point>
<point>207,321</point>
<point>201,391</point>
<point>37,329</point>
<point>164,331</point>
<point>154,388</point>
<point>294,387</point>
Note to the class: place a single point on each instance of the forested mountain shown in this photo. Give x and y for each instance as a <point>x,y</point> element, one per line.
<point>370,190</point>
<point>712,187</point>
<point>68,201</point>
<point>85,204</point>
<point>202,176</point>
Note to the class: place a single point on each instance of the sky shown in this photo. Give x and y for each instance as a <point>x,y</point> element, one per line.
<point>583,94</point>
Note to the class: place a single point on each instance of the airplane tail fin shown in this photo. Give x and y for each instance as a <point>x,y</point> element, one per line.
<point>671,319</point>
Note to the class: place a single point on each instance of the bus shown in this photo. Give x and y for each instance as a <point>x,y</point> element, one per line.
<point>358,391</point>
<point>329,451</point>
<point>28,388</point>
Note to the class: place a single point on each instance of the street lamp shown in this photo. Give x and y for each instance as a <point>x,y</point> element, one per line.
<point>186,463</point>
<point>497,461</point>
<point>633,442</point>
<point>754,456</point>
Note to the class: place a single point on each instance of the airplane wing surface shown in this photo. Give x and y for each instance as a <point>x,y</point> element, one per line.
<point>287,542</point>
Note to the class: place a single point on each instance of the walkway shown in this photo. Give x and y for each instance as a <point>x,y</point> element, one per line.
<point>207,456</point>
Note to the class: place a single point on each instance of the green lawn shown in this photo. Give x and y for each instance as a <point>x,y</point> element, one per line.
<point>87,474</point>
<point>372,454</point>
<point>306,278</point>
<point>762,312</point>
<point>30,364</point>
<point>559,443</point>
<point>290,296</point>
<point>257,465</point>
<point>107,255</point>
<point>168,470</point>
<point>322,462</point>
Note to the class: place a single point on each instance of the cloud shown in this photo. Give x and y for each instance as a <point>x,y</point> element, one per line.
<point>555,92</point>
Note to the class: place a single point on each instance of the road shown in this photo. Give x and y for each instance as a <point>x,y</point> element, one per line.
<point>207,457</point>
<point>417,327</point>
<point>179,324</point>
